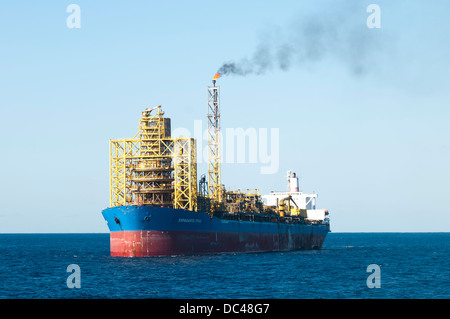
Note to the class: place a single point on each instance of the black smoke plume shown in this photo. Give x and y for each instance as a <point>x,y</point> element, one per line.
<point>342,36</point>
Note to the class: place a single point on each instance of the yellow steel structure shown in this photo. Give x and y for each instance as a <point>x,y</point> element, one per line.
<point>237,201</point>
<point>185,183</point>
<point>152,168</point>
<point>121,154</point>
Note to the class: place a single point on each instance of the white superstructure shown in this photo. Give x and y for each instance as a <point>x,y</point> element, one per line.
<point>302,200</point>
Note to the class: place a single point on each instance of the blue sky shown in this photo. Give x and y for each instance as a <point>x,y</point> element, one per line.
<point>375,147</point>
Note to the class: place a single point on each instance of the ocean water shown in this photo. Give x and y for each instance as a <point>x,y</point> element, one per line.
<point>411,265</point>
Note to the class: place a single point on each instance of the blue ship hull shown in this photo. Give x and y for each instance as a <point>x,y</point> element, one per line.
<point>139,231</point>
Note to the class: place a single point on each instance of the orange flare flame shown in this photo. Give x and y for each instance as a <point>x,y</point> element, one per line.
<point>216,76</point>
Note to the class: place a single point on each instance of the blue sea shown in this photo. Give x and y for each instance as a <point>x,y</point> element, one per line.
<point>408,265</point>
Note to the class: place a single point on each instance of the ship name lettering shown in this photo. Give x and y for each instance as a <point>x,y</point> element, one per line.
<point>189,220</point>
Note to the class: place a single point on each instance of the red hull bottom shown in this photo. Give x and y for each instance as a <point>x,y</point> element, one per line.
<point>164,243</point>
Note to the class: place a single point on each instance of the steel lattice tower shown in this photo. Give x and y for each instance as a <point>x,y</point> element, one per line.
<point>214,183</point>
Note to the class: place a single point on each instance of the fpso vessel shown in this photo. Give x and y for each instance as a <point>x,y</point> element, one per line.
<point>157,208</point>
